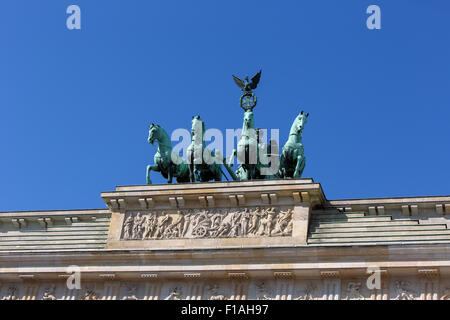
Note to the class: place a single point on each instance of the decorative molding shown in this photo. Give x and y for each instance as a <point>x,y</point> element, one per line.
<point>301,196</point>
<point>233,200</point>
<point>241,199</point>
<point>429,273</point>
<point>19,223</point>
<point>237,275</point>
<point>180,202</point>
<point>210,200</point>
<point>283,275</point>
<point>45,222</point>
<point>113,204</point>
<point>122,204</point>
<point>376,210</point>
<point>410,210</point>
<point>330,274</point>
<point>173,202</point>
<point>143,203</point>
<point>273,198</point>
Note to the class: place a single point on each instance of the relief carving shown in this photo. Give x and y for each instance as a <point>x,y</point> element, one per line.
<point>354,291</point>
<point>260,289</point>
<point>309,292</point>
<point>211,223</point>
<point>175,294</point>
<point>403,291</point>
<point>90,294</point>
<point>131,292</point>
<point>49,293</point>
<point>214,293</point>
<point>446,294</point>
<point>263,293</point>
<point>12,293</point>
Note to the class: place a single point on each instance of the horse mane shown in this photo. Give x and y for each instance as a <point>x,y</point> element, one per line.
<point>165,139</point>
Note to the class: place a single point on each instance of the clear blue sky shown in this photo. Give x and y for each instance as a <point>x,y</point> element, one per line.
<point>75,106</point>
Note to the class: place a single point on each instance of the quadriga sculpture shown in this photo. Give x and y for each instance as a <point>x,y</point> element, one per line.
<point>203,164</point>
<point>168,163</point>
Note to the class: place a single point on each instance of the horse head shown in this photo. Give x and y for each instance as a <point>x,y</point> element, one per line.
<point>299,123</point>
<point>249,122</point>
<point>154,133</point>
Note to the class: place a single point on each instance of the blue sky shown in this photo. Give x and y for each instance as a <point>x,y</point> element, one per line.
<point>75,105</point>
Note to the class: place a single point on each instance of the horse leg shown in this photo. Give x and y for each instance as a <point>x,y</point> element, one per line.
<point>217,173</point>
<point>282,166</point>
<point>299,166</point>
<point>151,168</point>
<point>191,168</point>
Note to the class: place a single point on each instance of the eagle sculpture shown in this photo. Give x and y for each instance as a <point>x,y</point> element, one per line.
<point>247,86</point>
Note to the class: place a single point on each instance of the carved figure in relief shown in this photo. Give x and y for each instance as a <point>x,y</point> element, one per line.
<point>128,227</point>
<point>225,225</point>
<point>175,294</point>
<point>12,293</point>
<point>214,292</point>
<point>176,224</point>
<point>245,221</point>
<point>235,224</point>
<point>263,294</point>
<point>187,224</point>
<point>282,223</point>
<point>265,228</point>
<point>131,292</point>
<point>162,220</point>
<point>446,294</point>
<point>49,293</point>
<point>403,291</point>
<point>309,292</point>
<point>254,220</point>
<point>288,230</point>
<point>353,291</point>
<point>90,294</point>
<point>149,226</point>
<point>138,227</point>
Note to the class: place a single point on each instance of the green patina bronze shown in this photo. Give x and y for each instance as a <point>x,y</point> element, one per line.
<point>203,165</point>
<point>168,163</point>
<point>248,146</point>
<point>292,161</point>
<point>255,157</point>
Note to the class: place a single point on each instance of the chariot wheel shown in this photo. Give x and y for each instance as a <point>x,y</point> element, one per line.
<point>201,232</point>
